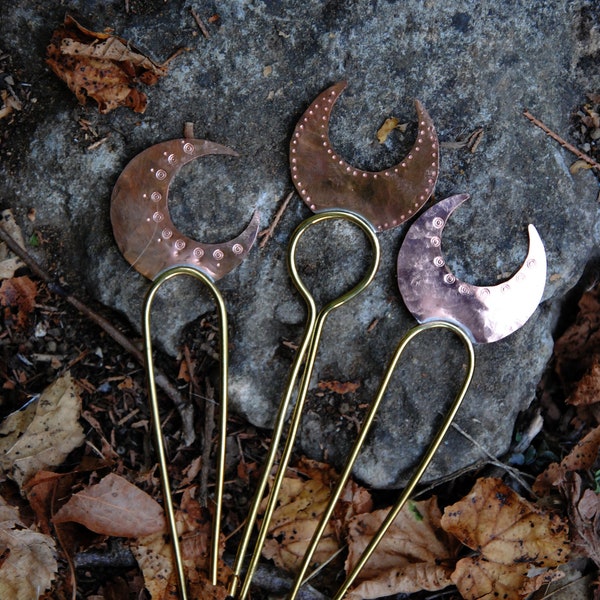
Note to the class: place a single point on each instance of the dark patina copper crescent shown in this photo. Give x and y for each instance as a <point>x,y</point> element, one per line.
<point>385,198</point>
<point>431,292</point>
<point>141,222</point>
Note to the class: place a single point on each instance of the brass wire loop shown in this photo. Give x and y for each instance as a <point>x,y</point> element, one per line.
<point>306,353</point>
<point>418,473</point>
<point>156,427</point>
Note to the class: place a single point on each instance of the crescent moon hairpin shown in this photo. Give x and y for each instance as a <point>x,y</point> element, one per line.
<point>373,201</point>
<point>438,300</point>
<point>149,240</point>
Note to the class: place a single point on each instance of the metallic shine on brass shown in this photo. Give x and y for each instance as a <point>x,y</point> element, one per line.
<point>325,180</point>
<point>143,227</point>
<point>430,291</point>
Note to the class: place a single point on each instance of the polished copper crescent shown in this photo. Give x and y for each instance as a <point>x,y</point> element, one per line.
<point>385,198</point>
<point>141,222</point>
<point>432,292</point>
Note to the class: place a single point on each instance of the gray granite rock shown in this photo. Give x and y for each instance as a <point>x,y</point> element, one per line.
<point>472,65</point>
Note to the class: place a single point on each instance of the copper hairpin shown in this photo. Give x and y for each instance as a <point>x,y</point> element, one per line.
<point>149,240</point>
<point>373,201</point>
<point>439,300</point>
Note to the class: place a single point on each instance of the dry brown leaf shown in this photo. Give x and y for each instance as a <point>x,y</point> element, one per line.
<point>415,554</point>
<point>9,263</point>
<point>101,66</point>
<point>29,565</point>
<point>510,534</point>
<point>579,165</point>
<point>587,389</point>
<point>113,506</point>
<point>155,557</point>
<point>582,457</point>
<point>575,350</point>
<point>584,515</point>
<point>388,126</point>
<point>479,579</point>
<point>339,387</point>
<point>43,433</point>
<point>301,503</point>
<point>17,296</point>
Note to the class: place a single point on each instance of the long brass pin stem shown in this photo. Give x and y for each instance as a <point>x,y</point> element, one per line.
<point>275,439</point>
<point>435,444</point>
<point>313,339</point>
<point>158,437</point>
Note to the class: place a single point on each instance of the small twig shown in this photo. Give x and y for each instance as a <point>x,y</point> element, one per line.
<point>493,460</point>
<point>267,233</point>
<point>578,153</point>
<point>161,379</point>
<point>200,24</point>
<point>209,426</point>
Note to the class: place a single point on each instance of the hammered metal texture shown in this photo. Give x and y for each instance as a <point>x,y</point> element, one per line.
<point>141,222</point>
<point>325,180</point>
<point>430,290</point>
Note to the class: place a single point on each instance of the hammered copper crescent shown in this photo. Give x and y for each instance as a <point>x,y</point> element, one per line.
<point>141,222</point>
<point>385,198</point>
<point>431,291</point>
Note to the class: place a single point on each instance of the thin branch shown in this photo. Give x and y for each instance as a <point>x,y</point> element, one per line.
<point>267,233</point>
<point>161,379</point>
<point>493,460</point>
<point>578,153</point>
<point>200,24</point>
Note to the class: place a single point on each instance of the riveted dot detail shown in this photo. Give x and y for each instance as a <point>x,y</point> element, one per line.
<point>188,148</point>
<point>167,233</point>
<point>157,217</point>
<point>438,261</point>
<point>237,248</point>
<point>438,222</point>
<point>171,159</point>
<point>179,244</point>
<point>435,241</point>
<point>198,253</point>
<point>156,196</point>
<point>218,254</point>
<point>161,174</point>
<point>449,279</point>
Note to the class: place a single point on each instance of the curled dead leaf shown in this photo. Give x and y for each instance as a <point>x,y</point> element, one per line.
<point>113,506</point>
<point>101,66</point>
<point>415,554</point>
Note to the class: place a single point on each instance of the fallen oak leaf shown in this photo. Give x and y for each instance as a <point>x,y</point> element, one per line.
<point>115,507</point>
<point>43,433</point>
<point>9,263</point>
<point>415,554</point>
<point>505,530</point>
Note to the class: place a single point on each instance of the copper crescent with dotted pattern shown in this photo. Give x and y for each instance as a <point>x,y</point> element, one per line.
<point>431,291</point>
<point>325,180</point>
<point>142,226</point>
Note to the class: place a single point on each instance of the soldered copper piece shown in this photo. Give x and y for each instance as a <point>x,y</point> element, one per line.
<point>432,292</point>
<point>385,198</point>
<point>143,227</point>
